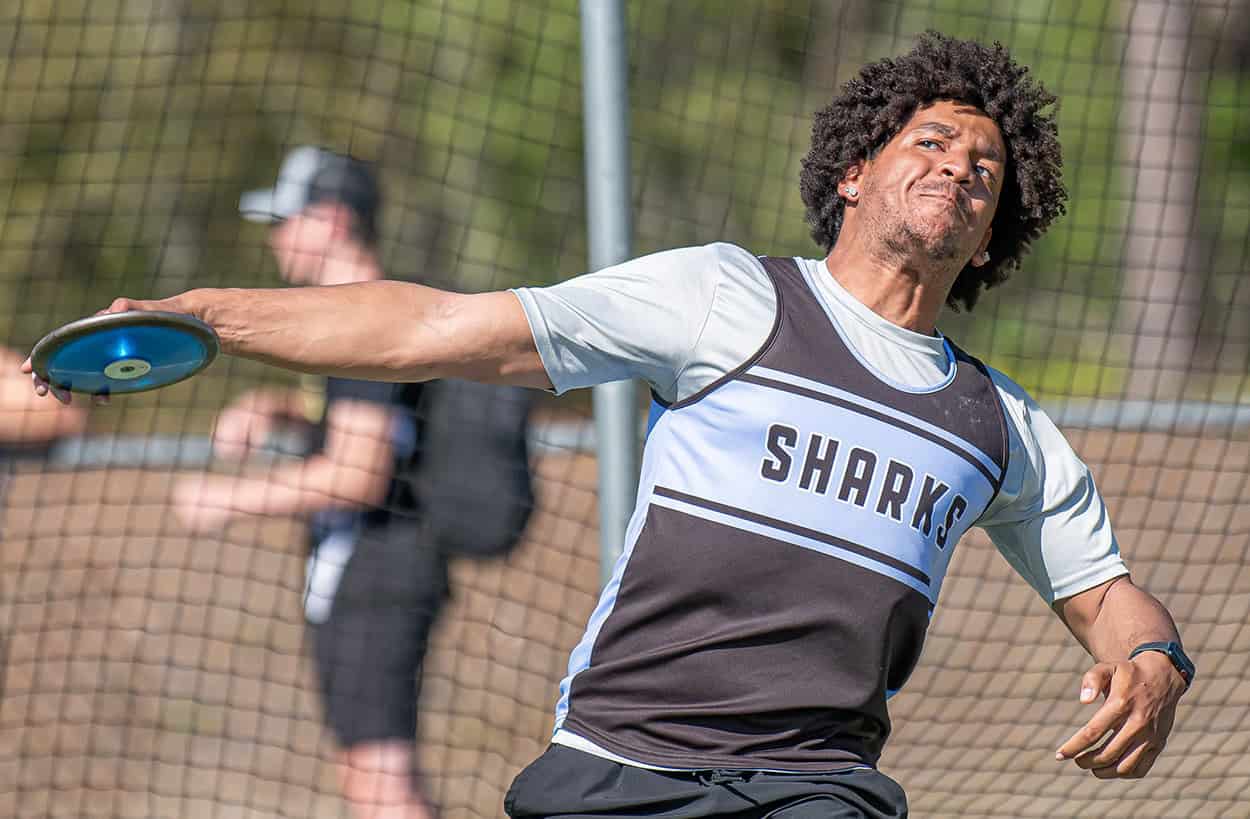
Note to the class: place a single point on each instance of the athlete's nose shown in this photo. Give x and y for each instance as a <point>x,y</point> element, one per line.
<point>957,167</point>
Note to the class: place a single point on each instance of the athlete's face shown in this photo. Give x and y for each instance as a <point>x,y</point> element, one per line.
<point>934,187</point>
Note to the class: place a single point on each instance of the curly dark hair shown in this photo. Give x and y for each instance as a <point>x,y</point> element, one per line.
<point>875,105</point>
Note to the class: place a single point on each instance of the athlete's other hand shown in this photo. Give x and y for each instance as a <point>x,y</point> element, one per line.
<point>1127,733</point>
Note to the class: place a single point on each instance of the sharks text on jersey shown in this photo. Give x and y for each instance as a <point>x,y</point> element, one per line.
<point>824,465</point>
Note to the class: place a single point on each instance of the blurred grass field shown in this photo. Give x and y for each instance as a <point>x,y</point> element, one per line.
<point>149,674</point>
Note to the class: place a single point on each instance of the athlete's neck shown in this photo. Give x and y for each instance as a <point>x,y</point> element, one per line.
<point>900,292</point>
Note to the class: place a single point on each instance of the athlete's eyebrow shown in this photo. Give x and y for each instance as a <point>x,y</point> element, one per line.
<point>989,151</point>
<point>938,127</point>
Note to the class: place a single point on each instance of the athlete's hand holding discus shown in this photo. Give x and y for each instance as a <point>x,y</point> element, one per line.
<point>1127,733</point>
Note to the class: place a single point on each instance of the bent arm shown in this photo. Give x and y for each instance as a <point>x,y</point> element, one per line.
<point>1051,524</point>
<point>380,331</point>
<point>1125,736</point>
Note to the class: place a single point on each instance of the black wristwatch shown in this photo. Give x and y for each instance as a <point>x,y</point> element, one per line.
<point>1175,653</point>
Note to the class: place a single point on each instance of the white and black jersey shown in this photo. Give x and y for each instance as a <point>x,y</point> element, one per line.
<point>798,507</point>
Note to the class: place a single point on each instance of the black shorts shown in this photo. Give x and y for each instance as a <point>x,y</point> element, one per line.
<point>571,784</point>
<point>371,631</point>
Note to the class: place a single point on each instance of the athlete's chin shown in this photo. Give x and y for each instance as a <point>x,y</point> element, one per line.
<point>939,242</point>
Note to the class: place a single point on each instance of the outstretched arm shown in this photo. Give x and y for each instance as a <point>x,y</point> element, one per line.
<point>1110,620</point>
<point>382,331</point>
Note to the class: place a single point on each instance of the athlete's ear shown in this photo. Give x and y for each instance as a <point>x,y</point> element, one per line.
<point>850,185</point>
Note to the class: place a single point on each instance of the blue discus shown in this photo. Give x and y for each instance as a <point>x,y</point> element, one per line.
<point>127,352</point>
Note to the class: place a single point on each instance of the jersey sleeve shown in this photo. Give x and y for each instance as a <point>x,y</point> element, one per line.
<point>1049,520</point>
<point>640,319</point>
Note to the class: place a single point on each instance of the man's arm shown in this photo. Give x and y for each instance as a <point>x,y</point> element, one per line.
<point>353,470</point>
<point>382,331</point>
<point>1051,524</point>
<point>1110,620</point>
<point>25,420</point>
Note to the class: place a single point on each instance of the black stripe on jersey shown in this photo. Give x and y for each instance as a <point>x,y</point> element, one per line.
<point>802,531</point>
<point>871,413</point>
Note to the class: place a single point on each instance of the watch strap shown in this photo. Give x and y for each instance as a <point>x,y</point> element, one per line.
<point>1174,653</point>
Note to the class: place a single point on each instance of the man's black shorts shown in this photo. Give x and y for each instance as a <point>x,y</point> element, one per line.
<point>571,784</point>
<point>370,644</point>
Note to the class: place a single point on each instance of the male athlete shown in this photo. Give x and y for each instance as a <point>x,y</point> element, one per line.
<point>819,450</point>
<point>401,477</point>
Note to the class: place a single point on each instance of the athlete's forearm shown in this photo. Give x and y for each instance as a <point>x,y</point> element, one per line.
<point>385,331</point>
<point>1123,617</point>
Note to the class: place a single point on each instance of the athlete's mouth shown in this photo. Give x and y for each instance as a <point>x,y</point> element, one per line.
<point>952,194</point>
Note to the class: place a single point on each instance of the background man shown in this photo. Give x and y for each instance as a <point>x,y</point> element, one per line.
<point>400,478</point>
<point>819,448</point>
<point>27,423</point>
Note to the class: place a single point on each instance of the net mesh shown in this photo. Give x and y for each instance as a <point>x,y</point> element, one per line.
<point>149,671</point>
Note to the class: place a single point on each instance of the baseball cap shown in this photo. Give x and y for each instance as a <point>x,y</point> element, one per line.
<point>309,175</point>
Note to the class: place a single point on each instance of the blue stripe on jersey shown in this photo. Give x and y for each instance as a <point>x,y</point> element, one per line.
<point>653,415</point>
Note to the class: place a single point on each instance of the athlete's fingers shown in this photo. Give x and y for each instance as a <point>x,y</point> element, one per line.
<point>1096,681</point>
<point>1134,764</point>
<point>1108,717</point>
<point>125,305</point>
<point>1123,739</point>
<point>1092,734</point>
<point>119,305</point>
<point>43,388</point>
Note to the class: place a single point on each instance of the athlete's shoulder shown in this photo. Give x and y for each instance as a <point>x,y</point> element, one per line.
<point>1009,389</point>
<point>1027,422</point>
<point>731,257</point>
<point>739,268</point>
<point>722,272</point>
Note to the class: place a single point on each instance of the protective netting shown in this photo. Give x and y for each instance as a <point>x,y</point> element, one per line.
<point>151,671</point>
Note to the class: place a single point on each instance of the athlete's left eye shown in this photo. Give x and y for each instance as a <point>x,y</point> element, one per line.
<point>985,172</point>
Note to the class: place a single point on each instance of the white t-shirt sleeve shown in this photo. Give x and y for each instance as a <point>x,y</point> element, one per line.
<point>1049,521</point>
<point>640,319</point>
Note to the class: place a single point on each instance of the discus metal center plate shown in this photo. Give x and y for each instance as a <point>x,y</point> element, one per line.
<point>126,369</point>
